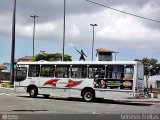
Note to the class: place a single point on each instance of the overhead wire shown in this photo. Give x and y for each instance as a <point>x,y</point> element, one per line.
<point>123,11</point>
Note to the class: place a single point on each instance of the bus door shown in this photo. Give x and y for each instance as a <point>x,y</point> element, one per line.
<point>20,78</point>
<point>140,78</point>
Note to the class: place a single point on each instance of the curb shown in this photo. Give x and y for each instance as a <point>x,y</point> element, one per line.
<point>140,100</point>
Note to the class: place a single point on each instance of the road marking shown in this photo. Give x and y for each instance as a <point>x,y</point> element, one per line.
<point>2,93</point>
<point>95,113</point>
<point>14,94</point>
<point>112,106</point>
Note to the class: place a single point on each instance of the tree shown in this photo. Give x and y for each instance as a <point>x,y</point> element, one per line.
<point>51,57</point>
<point>150,67</point>
<point>155,70</point>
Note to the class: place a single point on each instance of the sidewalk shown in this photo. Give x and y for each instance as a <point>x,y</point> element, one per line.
<point>148,100</point>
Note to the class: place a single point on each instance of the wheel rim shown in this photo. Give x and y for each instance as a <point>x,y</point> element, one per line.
<point>32,92</point>
<point>88,96</point>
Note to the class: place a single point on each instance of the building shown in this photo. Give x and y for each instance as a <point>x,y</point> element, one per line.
<point>5,68</point>
<point>154,81</point>
<point>104,54</point>
<point>26,58</point>
<point>4,72</point>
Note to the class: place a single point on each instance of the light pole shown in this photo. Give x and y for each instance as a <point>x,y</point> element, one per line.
<point>93,25</point>
<point>116,55</point>
<point>34,17</point>
<point>13,43</point>
<point>64,28</point>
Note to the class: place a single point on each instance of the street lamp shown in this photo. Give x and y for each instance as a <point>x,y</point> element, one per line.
<point>13,43</point>
<point>93,25</point>
<point>116,55</point>
<point>34,17</point>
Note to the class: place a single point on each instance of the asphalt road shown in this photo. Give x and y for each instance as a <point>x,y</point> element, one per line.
<point>61,108</point>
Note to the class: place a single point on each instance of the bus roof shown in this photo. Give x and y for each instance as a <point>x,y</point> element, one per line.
<point>79,62</point>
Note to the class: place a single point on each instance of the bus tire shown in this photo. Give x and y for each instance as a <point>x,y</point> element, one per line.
<point>88,95</point>
<point>33,92</point>
<point>46,96</point>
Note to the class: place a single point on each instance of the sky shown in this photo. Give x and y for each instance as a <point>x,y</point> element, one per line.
<point>132,37</point>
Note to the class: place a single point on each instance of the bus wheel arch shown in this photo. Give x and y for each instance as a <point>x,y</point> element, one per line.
<point>88,94</point>
<point>32,90</point>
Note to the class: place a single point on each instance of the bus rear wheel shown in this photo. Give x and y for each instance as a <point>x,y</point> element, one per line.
<point>88,95</point>
<point>33,92</point>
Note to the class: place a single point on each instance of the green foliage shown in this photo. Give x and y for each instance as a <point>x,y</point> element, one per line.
<point>51,57</point>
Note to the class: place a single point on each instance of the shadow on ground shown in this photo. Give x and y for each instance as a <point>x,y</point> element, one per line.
<point>95,101</point>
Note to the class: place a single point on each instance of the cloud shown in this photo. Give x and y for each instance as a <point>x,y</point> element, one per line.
<point>116,31</point>
<point>41,30</point>
<point>128,28</point>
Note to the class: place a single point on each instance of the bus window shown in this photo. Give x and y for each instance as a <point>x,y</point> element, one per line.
<point>33,70</point>
<point>62,71</point>
<point>79,71</point>
<point>115,71</point>
<point>47,71</point>
<point>129,69</point>
<point>96,71</point>
<point>140,72</point>
<point>21,73</point>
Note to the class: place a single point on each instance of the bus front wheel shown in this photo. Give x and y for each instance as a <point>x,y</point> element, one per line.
<point>88,95</point>
<point>33,92</point>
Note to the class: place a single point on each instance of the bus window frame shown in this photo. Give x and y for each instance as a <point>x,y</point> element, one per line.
<point>130,74</point>
<point>37,72</point>
<point>49,72</point>
<point>73,75</point>
<point>98,74</point>
<point>109,73</point>
<point>58,75</point>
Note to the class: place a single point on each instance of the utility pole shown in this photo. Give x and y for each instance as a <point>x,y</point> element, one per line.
<point>13,44</point>
<point>34,21</point>
<point>64,27</point>
<point>93,25</point>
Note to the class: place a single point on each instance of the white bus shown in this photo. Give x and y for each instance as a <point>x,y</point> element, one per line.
<point>81,79</point>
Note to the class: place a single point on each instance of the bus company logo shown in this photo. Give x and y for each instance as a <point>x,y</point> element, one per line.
<point>55,82</point>
<point>72,83</point>
<point>52,82</point>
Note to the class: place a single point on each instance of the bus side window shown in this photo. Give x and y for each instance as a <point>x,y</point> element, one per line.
<point>62,71</point>
<point>34,71</point>
<point>79,71</point>
<point>129,69</point>
<point>96,71</point>
<point>109,70</point>
<point>47,71</point>
<point>115,71</point>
